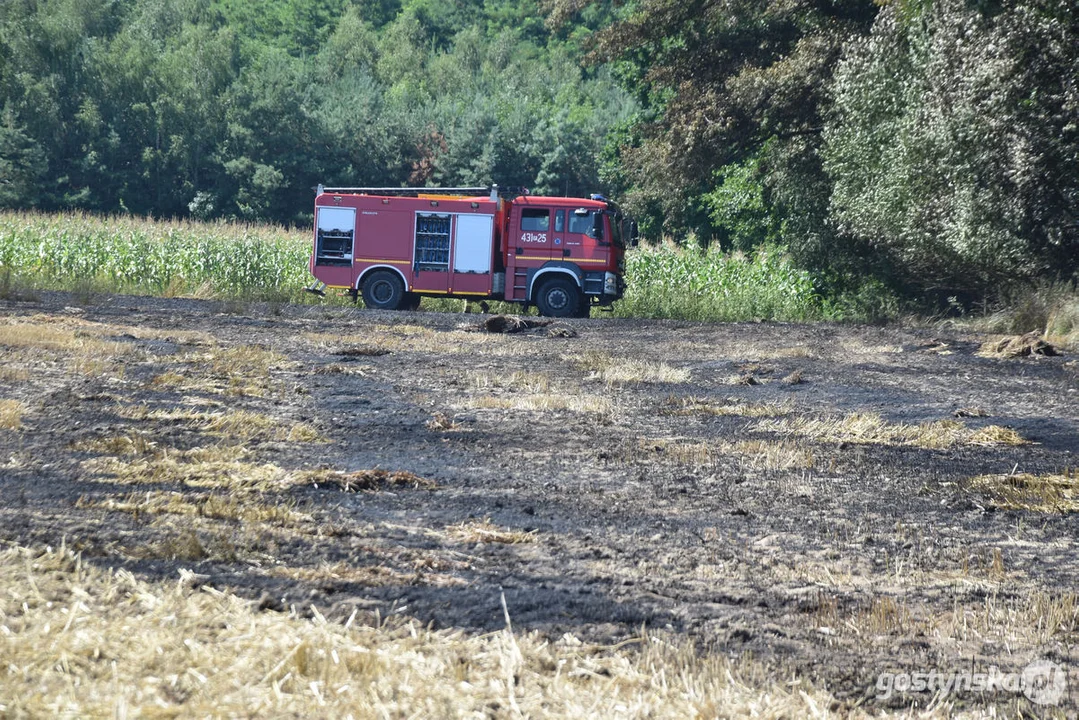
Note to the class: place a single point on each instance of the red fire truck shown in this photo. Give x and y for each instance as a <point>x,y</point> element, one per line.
<point>394,246</point>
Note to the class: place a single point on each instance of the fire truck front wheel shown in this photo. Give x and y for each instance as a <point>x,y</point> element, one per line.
<point>559,297</point>
<point>383,290</point>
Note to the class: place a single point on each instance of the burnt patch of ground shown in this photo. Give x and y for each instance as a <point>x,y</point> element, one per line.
<point>839,525</point>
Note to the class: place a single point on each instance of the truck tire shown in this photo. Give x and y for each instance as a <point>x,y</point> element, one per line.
<point>383,290</point>
<point>559,297</point>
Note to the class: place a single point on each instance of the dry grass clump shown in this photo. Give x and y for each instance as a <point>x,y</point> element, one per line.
<point>302,432</point>
<point>440,422</point>
<point>343,369</point>
<point>361,351</point>
<point>129,443</point>
<point>91,328</point>
<point>1051,312</point>
<point>996,435</point>
<point>168,379</point>
<point>530,382</point>
<point>191,380</point>
<point>144,413</point>
<point>62,335</point>
<point>1055,613</point>
<point>245,360</point>
<point>80,641</point>
<point>48,338</point>
<point>11,412</point>
<point>241,424</point>
<point>1052,493</point>
<point>155,502</point>
<point>1013,346</point>
<point>613,371</point>
<point>859,347</point>
<point>728,406</point>
<point>774,455</point>
<point>232,425</point>
<point>199,469</point>
<point>871,428</point>
<point>581,403</point>
<point>637,371</point>
<point>363,480</point>
<point>471,532</point>
<point>793,378</point>
<point>392,568</point>
<point>883,615</point>
<point>1032,618</point>
<point>242,370</point>
<point>675,450</point>
<point>248,425</point>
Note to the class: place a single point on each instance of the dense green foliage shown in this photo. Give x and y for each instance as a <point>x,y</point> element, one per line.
<point>894,148</point>
<point>953,143</point>
<point>221,108</point>
<point>929,144</point>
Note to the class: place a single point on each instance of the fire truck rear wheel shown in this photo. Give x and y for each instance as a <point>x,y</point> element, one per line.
<point>383,290</point>
<point>559,297</point>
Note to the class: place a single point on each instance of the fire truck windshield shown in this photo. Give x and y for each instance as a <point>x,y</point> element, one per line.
<point>591,223</point>
<point>582,222</point>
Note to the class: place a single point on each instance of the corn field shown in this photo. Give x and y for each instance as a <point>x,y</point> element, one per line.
<point>666,281</point>
<point>153,257</point>
<point>66,252</point>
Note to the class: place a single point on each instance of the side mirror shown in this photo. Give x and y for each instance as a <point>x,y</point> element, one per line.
<point>597,226</point>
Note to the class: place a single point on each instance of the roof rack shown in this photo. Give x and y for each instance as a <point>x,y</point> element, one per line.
<point>403,191</point>
<point>494,191</point>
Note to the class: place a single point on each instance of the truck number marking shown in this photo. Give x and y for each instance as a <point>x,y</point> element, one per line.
<point>534,237</point>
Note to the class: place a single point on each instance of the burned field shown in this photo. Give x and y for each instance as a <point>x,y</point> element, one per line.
<point>814,503</point>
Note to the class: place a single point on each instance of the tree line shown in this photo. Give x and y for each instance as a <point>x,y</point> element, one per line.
<point>226,108</point>
<point>926,146</point>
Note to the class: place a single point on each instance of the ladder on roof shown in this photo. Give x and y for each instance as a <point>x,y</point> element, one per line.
<point>494,191</point>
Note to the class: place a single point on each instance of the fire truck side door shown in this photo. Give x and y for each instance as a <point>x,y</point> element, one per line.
<point>583,238</point>
<point>535,236</point>
<point>473,253</point>
<point>431,252</point>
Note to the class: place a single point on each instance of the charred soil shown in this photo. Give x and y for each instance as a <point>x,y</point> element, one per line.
<point>837,501</point>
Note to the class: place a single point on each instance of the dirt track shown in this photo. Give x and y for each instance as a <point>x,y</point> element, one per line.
<point>640,473</point>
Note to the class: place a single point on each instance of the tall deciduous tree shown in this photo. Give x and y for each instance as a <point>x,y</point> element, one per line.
<point>720,81</point>
<point>954,142</point>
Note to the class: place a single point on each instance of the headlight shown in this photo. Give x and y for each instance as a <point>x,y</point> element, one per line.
<point>610,284</point>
